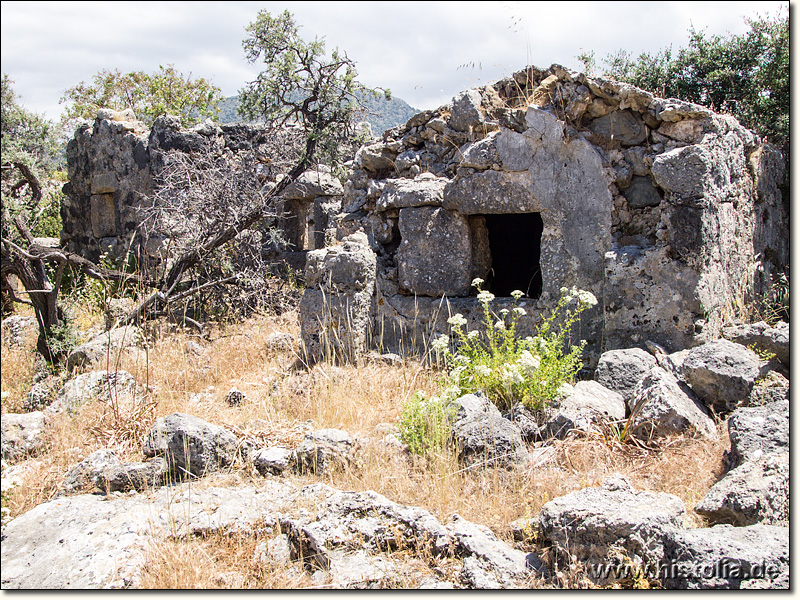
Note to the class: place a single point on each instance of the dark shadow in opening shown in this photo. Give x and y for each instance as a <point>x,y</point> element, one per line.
<point>515,242</point>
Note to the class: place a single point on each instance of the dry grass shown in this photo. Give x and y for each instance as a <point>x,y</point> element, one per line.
<point>183,373</point>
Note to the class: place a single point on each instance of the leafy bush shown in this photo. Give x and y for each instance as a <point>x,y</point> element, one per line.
<point>425,423</point>
<point>508,369</point>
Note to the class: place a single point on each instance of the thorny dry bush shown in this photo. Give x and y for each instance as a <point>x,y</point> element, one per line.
<point>182,372</point>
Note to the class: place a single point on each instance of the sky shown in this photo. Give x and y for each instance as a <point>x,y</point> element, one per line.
<point>424,52</point>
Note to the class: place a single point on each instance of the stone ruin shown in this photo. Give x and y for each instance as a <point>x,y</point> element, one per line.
<point>671,215</point>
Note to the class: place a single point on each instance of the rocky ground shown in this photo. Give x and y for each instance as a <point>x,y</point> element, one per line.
<point>119,510</point>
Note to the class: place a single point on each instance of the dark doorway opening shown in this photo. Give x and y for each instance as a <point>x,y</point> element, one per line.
<point>515,242</point>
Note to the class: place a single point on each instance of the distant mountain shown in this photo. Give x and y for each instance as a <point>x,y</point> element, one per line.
<point>381,114</point>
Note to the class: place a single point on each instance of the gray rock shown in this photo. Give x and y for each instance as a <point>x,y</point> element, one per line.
<point>83,388</point>
<point>481,154</point>
<point>642,193</point>
<point>504,563</point>
<point>483,436</point>
<point>424,190</point>
<point>466,111</point>
<point>434,254</point>
<point>757,431</point>
<point>105,348</point>
<point>522,417</point>
<point>726,557</point>
<point>335,325</point>
<point>92,541</point>
<point>190,445</point>
<point>282,342</point>
<point>102,470</point>
<point>721,373</point>
<point>765,338</point>
<point>274,460</point>
<point>323,450</point>
<point>755,492</point>
<point>235,397</point>
<point>22,434</point>
<point>672,110</point>
<point>588,403</point>
<point>623,126</point>
<point>622,370</point>
<point>667,409</point>
<point>349,267</point>
<point>18,329</point>
<point>375,158</point>
<point>595,525</point>
<point>312,184</point>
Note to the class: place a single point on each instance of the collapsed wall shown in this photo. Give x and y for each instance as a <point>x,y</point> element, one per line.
<point>670,214</point>
<point>114,167</point>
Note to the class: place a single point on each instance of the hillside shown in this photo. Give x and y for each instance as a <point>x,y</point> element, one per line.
<point>381,114</point>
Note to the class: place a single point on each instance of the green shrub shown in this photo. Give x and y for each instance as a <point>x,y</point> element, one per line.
<point>425,423</point>
<point>508,369</point>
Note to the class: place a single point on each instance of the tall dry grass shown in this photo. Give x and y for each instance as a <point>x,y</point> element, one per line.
<point>180,372</point>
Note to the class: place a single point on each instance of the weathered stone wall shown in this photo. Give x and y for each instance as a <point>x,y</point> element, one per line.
<point>114,164</point>
<point>671,215</point>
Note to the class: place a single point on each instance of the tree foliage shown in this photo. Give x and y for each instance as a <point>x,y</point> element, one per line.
<point>149,95</point>
<point>745,75</point>
<point>301,84</point>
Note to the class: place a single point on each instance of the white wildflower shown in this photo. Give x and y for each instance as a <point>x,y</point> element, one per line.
<point>457,320</point>
<point>519,311</point>
<point>516,294</point>
<point>477,282</point>
<point>441,344</point>
<point>504,312</point>
<point>529,363</point>
<point>510,375</point>
<point>499,325</point>
<point>587,298</point>
<point>482,370</point>
<point>485,297</point>
<point>460,359</point>
<point>473,335</point>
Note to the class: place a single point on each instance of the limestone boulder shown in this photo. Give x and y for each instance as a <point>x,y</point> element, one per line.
<point>757,431</point>
<point>727,557</point>
<point>669,409</point>
<point>103,471</point>
<point>312,184</point>
<point>190,445</point>
<point>466,114</point>
<point>345,268</point>
<point>323,450</point>
<point>22,434</point>
<point>587,404</point>
<point>721,373</point>
<point>595,525</point>
<point>622,370</point>
<point>483,436</point>
<point>272,461</point>
<point>424,190</point>
<point>755,492</point>
<point>103,385</point>
<point>105,348</point>
<point>774,340</point>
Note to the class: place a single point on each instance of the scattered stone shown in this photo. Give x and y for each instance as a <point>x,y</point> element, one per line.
<point>102,470</point>
<point>755,492</point>
<point>622,370</point>
<point>235,397</point>
<point>105,348</point>
<point>587,404</point>
<point>272,461</point>
<point>22,434</point>
<point>525,420</point>
<point>774,340</point>
<point>483,436</point>
<point>190,445</point>
<point>721,373</point>
<point>757,431</point>
<point>667,409</point>
<point>323,450</point>
<point>20,330</point>
<point>281,342</point>
<point>726,557</point>
<point>103,385</point>
<point>595,525</point>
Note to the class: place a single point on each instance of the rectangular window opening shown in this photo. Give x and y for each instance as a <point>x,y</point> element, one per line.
<point>515,242</point>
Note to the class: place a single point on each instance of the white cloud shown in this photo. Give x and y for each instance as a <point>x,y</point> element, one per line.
<point>417,49</point>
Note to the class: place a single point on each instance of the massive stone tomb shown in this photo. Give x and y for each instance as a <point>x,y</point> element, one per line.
<point>670,214</point>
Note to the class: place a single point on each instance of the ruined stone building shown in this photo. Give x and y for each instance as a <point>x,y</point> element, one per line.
<point>670,214</point>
